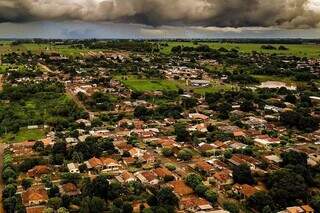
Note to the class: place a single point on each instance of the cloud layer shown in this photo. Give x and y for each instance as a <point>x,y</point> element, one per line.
<point>207,13</point>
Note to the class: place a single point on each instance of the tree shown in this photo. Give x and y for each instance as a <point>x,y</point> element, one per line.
<point>247,106</point>
<point>127,207</point>
<point>101,186</point>
<point>62,210</point>
<point>9,173</point>
<point>185,154</point>
<point>59,148</point>
<point>189,102</point>
<point>55,202</point>
<point>193,180</point>
<point>299,120</point>
<point>167,152</point>
<point>201,190</point>
<point>315,202</point>
<point>260,200</point>
<point>26,183</point>
<point>242,174</point>
<point>232,207</point>
<point>286,187</point>
<point>294,158</point>
<point>38,146</point>
<point>92,205</point>
<point>181,132</point>
<point>211,196</point>
<point>9,191</point>
<point>166,197</point>
<point>290,98</point>
<point>142,112</point>
<point>10,203</point>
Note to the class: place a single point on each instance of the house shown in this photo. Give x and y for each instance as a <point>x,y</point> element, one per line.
<point>69,189</point>
<point>148,157</point>
<point>236,145</point>
<point>205,147</point>
<point>163,172</point>
<point>87,123</point>
<point>94,163</point>
<point>204,167</point>
<point>199,83</point>
<point>38,170</point>
<point>298,209</point>
<point>198,116</point>
<point>147,177</point>
<point>136,152</point>
<point>244,190</point>
<point>266,141</point>
<point>73,167</point>
<point>180,188</point>
<point>35,209</point>
<point>239,133</point>
<point>199,128</point>
<point>122,147</point>
<point>238,159</point>
<point>126,177</point>
<point>136,206</point>
<point>255,122</point>
<point>195,204</point>
<point>110,165</point>
<point>129,161</point>
<point>49,141</point>
<point>71,140</point>
<point>222,178</point>
<point>34,196</point>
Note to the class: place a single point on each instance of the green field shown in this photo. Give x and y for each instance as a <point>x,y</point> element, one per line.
<point>216,87</point>
<point>38,48</point>
<point>144,85</point>
<point>303,50</point>
<point>24,135</point>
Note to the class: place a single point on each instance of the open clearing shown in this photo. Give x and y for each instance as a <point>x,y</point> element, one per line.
<point>24,135</point>
<point>144,85</point>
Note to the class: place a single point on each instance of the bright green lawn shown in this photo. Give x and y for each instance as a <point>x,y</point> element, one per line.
<point>143,85</point>
<point>24,135</point>
<point>263,78</point>
<point>307,50</point>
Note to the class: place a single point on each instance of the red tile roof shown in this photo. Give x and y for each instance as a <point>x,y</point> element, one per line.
<point>180,188</point>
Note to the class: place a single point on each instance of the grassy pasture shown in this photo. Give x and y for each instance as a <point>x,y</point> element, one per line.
<point>302,50</point>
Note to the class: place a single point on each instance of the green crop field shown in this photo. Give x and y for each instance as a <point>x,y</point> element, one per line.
<point>303,50</point>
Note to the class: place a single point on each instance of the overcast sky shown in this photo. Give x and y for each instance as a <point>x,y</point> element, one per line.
<point>159,18</point>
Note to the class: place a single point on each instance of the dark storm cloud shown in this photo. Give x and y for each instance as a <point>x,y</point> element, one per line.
<point>218,13</point>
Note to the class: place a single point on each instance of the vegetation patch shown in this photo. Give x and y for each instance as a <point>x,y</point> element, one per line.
<point>24,135</point>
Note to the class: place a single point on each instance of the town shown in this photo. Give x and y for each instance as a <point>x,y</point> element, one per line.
<point>126,126</point>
